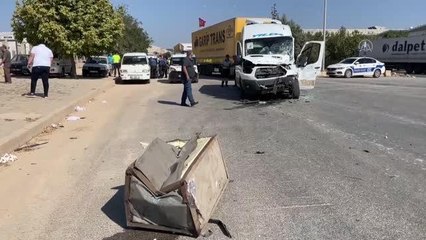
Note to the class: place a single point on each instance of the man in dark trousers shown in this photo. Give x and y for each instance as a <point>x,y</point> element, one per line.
<point>5,62</point>
<point>226,70</point>
<point>40,60</point>
<point>188,74</point>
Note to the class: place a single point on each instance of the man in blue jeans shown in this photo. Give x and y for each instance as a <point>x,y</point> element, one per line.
<point>188,73</point>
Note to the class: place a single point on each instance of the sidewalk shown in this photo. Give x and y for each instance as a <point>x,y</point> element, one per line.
<point>23,117</point>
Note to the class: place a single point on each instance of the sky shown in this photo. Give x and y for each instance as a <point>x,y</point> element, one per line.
<point>169,22</point>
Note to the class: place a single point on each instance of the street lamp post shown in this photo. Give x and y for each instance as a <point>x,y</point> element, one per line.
<point>324,31</point>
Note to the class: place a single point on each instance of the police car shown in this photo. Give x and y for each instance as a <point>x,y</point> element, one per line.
<point>357,66</point>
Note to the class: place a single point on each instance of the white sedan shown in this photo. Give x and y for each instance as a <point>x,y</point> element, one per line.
<point>357,66</point>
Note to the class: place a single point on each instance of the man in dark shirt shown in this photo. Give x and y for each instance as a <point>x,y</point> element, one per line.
<point>6,61</point>
<point>188,73</point>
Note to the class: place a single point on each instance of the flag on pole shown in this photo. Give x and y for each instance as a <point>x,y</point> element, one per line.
<point>201,22</point>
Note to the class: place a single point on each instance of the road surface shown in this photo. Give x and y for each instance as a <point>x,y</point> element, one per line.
<point>346,161</point>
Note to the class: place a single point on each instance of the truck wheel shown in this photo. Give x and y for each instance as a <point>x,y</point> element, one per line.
<point>377,73</point>
<point>295,89</point>
<point>348,73</point>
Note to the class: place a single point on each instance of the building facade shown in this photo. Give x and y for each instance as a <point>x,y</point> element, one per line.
<point>374,30</point>
<point>15,47</point>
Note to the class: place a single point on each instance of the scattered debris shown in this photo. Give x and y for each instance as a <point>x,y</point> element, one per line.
<point>30,147</point>
<point>8,158</point>
<point>260,152</point>
<point>366,151</point>
<point>28,119</point>
<point>79,109</point>
<point>73,118</point>
<point>144,144</point>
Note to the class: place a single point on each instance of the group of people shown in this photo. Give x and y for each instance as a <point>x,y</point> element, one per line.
<point>115,61</point>
<point>159,68</point>
<point>39,62</point>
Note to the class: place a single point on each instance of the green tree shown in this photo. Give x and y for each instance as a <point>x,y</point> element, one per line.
<point>70,28</point>
<point>135,38</point>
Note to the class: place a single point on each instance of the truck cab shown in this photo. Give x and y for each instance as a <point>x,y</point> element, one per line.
<point>267,61</point>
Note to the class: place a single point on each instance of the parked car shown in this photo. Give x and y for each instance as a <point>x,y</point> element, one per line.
<point>19,65</point>
<point>357,66</point>
<point>60,67</point>
<point>175,69</point>
<point>97,66</point>
<point>134,66</point>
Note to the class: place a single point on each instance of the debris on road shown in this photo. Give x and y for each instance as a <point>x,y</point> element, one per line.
<point>79,109</point>
<point>144,144</point>
<point>175,188</point>
<point>8,158</point>
<point>30,147</point>
<point>73,118</point>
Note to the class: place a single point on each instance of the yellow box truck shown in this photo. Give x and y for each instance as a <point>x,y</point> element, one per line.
<point>263,53</point>
<point>213,43</point>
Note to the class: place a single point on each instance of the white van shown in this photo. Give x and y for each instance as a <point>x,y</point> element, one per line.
<point>134,66</point>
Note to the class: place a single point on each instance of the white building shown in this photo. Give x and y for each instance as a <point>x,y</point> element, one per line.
<point>182,47</point>
<point>418,31</point>
<point>374,30</point>
<point>8,39</point>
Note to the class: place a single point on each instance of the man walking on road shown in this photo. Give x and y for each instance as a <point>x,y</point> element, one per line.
<point>5,62</point>
<point>188,75</point>
<point>40,59</point>
<point>116,64</point>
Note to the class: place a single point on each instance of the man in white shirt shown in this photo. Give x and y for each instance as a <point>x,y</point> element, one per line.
<point>40,59</point>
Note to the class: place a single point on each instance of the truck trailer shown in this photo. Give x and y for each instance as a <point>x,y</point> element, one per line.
<point>263,53</point>
<point>407,53</point>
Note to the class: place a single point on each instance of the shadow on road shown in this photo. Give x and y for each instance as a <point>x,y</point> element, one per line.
<point>114,209</point>
<point>131,234</point>
<point>168,102</point>
<point>227,93</point>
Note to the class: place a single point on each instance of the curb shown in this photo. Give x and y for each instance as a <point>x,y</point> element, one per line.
<point>18,138</point>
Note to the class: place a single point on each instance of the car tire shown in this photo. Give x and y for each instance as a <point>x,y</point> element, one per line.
<point>377,73</point>
<point>348,73</point>
<point>62,73</point>
<point>295,89</point>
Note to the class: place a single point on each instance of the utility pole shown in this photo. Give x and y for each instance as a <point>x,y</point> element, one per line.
<point>324,30</point>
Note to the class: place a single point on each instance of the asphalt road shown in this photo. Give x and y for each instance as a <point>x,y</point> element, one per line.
<point>346,161</point>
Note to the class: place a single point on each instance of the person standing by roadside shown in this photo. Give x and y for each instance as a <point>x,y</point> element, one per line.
<point>163,67</point>
<point>116,64</point>
<point>110,64</point>
<point>188,74</point>
<point>5,62</point>
<point>226,70</point>
<point>40,60</point>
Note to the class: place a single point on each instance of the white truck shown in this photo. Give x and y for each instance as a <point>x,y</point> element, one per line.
<point>263,50</point>
<point>408,53</point>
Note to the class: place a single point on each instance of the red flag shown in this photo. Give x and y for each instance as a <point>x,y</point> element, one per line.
<point>201,22</point>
